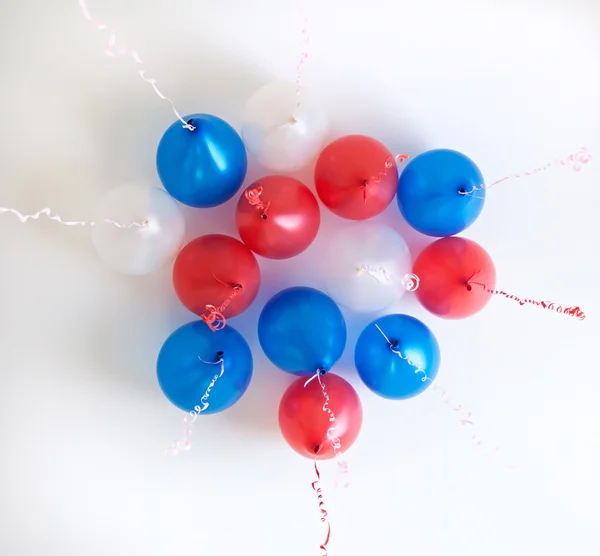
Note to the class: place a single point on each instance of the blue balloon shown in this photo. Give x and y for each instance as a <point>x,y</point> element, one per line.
<point>431,193</point>
<point>205,167</point>
<point>302,330</point>
<point>188,362</point>
<point>380,366</point>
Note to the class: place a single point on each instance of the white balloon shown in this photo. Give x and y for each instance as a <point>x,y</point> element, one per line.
<point>280,134</point>
<point>366,267</point>
<point>138,229</point>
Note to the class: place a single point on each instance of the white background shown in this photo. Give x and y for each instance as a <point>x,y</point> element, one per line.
<point>83,425</point>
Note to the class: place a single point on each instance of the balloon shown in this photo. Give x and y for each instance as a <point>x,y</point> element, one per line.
<point>304,424</point>
<point>150,232</point>
<point>301,330</point>
<point>216,277</point>
<point>383,365</point>
<point>356,177</point>
<point>189,360</point>
<point>450,271</point>
<point>366,264</point>
<point>278,217</point>
<point>284,130</point>
<point>204,167</point>
<point>431,193</point>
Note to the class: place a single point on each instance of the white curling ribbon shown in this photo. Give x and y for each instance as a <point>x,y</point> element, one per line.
<point>410,282</point>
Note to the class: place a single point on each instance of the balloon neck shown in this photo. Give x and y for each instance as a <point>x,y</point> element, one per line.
<point>321,371</point>
<point>219,355</point>
<point>394,344</point>
<point>264,216</point>
<point>462,191</point>
<point>317,449</point>
<point>193,124</point>
<point>468,286</point>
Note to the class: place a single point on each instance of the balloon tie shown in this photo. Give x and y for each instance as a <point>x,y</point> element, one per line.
<point>576,160</point>
<point>331,436</point>
<point>185,443</point>
<point>322,509</point>
<point>548,305</point>
<point>215,318</point>
<point>388,164</point>
<point>410,281</point>
<point>123,51</point>
<point>253,197</point>
<point>394,348</point>
<point>23,218</point>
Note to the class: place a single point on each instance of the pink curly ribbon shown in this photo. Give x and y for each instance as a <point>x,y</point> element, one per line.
<point>576,160</point>
<point>466,416</point>
<point>323,511</point>
<point>410,281</point>
<point>253,197</point>
<point>303,56</point>
<point>215,318</point>
<point>388,164</point>
<point>550,306</point>
<point>331,436</point>
<point>185,443</point>
<point>23,218</point>
<point>124,50</point>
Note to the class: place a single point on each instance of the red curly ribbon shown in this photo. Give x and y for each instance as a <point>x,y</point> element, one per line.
<point>389,163</point>
<point>323,511</point>
<point>253,197</point>
<point>576,160</point>
<point>215,318</point>
<point>548,305</point>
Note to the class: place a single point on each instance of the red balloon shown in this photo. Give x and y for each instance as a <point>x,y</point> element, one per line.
<point>304,424</point>
<point>216,275</point>
<point>356,177</point>
<point>278,217</point>
<point>453,272</point>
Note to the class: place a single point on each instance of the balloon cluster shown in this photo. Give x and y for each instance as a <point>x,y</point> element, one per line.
<point>202,162</point>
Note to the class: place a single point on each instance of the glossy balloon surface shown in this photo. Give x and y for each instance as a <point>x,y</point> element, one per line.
<point>204,167</point>
<point>284,219</point>
<point>451,271</point>
<point>189,361</point>
<point>304,424</point>
<point>284,128</point>
<point>301,330</point>
<point>356,177</point>
<point>216,271</point>
<point>431,192</point>
<point>385,368</point>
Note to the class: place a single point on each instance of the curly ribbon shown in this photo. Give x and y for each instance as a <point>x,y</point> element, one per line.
<point>388,164</point>
<point>185,443</point>
<point>23,218</point>
<point>466,417</point>
<point>331,436</point>
<point>550,306</point>
<point>124,50</point>
<point>410,281</point>
<point>576,160</point>
<point>303,56</point>
<point>215,319</point>
<point>323,511</point>
<point>253,197</point>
